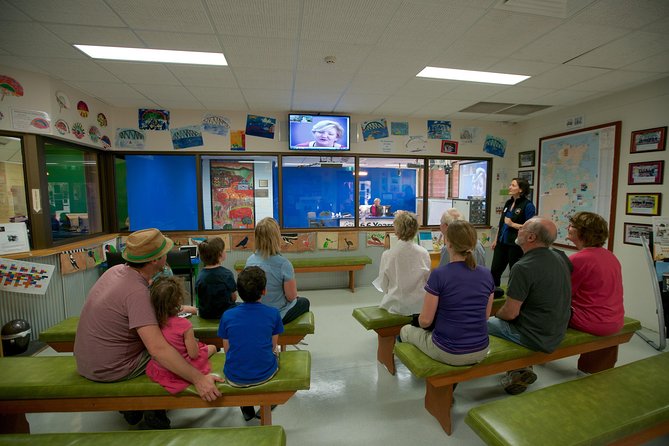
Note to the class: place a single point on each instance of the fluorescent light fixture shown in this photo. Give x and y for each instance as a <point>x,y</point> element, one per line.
<point>472,76</point>
<point>151,55</point>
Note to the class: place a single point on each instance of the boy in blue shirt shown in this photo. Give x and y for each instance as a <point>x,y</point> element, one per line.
<point>215,285</point>
<point>250,333</point>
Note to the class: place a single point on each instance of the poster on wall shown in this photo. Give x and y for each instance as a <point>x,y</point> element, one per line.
<point>184,137</point>
<point>13,238</point>
<point>261,126</point>
<point>576,171</point>
<point>438,129</point>
<point>660,238</point>
<point>24,277</point>
<point>216,124</point>
<point>232,195</point>
<point>153,119</point>
<point>33,121</point>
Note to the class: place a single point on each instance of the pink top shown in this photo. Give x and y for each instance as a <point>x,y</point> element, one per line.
<point>597,292</point>
<point>174,334</point>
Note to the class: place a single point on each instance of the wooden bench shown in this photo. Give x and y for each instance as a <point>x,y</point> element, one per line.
<point>61,336</point>
<point>239,436</point>
<point>626,405</point>
<point>52,384</point>
<point>597,353</point>
<point>325,265</point>
<point>387,327</point>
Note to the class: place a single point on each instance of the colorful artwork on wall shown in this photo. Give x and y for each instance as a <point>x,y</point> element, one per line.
<point>376,238</point>
<point>216,124</point>
<point>298,242</point>
<point>260,126</point>
<point>25,277</point>
<point>438,129</point>
<point>232,194</point>
<point>348,241</point>
<point>242,242</point>
<point>327,240</point>
<point>184,137</point>
<point>153,119</point>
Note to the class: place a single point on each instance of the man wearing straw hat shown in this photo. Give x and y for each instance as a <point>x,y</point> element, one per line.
<point>118,332</point>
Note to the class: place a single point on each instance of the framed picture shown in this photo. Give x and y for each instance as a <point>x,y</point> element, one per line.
<point>649,172</point>
<point>527,175</point>
<point>263,183</point>
<point>649,140</point>
<point>634,231</point>
<point>526,159</point>
<point>449,147</point>
<point>643,204</point>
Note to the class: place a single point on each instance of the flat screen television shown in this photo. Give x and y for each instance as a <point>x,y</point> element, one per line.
<point>319,132</point>
<point>473,179</point>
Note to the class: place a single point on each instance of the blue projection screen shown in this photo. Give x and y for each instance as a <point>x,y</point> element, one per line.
<point>162,192</point>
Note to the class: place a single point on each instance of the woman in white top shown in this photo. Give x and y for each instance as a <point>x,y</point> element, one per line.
<point>404,269</point>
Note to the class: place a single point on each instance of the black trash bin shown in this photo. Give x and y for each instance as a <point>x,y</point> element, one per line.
<point>15,337</point>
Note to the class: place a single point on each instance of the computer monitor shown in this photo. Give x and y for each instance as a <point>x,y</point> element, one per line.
<point>192,250</point>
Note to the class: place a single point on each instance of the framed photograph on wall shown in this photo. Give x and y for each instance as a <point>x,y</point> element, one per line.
<point>633,232</point>
<point>449,147</point>
<point>526,159</point>
<point>649,172</point>
<point>527,175</point>
<point>648,204</point>
<point>648,140</point>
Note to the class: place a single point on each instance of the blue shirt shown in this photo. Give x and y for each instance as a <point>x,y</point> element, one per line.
<point>460,321</point>
<point>278,270</point>
<point>249,328</point>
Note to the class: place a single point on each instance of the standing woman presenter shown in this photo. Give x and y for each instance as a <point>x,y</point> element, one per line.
<point>517,210</point>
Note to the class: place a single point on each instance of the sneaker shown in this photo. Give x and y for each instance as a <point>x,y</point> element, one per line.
<point>516,381</point>
<point>249,412</point>
<point>156,419</point>
<point>132,417</point>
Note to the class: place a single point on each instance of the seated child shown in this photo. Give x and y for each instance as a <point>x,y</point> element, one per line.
<point>167,294</point>
<point>215,285</point>
<point>250,334</point>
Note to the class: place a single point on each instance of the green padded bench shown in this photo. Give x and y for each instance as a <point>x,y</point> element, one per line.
<point>52,384</point>
<point>387,327</point>
<point>238,436</point>
<point>61,336</point>
<point>597,353</point>
<point>626,405</point>
<point>324,265</point>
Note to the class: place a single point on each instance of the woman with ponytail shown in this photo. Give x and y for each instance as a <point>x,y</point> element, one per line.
<point>452,326</point>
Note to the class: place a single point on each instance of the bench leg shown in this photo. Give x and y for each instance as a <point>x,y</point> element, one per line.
<point>351,281</point>
<point>265,415</point>
<point>384,352</point>
<point>593,362</point>
<point>14,423</point>
<point>438,401</point>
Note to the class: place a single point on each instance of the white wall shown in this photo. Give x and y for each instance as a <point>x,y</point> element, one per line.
<point>639,108</point>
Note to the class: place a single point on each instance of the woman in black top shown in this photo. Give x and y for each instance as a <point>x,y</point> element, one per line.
<point>517,210</point>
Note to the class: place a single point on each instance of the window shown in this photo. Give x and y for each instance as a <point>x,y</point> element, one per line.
<point>318,191</point>
<point>13,203</point>
<point>386,186</point>
<point>238,191</point>
<point>159,191</point>
<point>458,183</point>
<point>73,188</point>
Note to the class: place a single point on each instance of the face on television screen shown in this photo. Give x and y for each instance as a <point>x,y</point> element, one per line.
<point>473,179</point>
<point>311,132</point>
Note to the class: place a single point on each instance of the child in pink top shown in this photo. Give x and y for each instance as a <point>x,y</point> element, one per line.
<point>167,294</point>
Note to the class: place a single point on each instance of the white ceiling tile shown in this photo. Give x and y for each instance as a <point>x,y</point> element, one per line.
<point>359,103</point>
<point>168,96</point>
<point>139,73</point>
<point>105,89</point>
<point>309,100</point>
<point>562,77</point>
<point>430,88</point>
<point>518,66</point>
<point>164,15</point>
<point>398,61</point>
<point>349,58</point>
<point>255,18</point>
<point>264,99</point>
<point>615,80</point>
<point>565,97</point>
<point>463,59</point>
<point>226,98</point>
<point>518,95</point>
<point>32,39</point>
<point>10,12</point>
<point>568,41</point>
<point>327,82</point>
<point>75,70</point>
<point>21,63</point>
<point>660,26</point>
<point>629,14</point>
<point>401,105</point>
<point>473,92</point>
<point>630,48</point>
<point>381,83</point>
<point>342,20</point>
<point>203,76</point>
<point>252,52</point>
<point>181,41</point>
<point>95,35</point>
<point>82,12</point>
<point>656,64</point>
<point>262,79</point>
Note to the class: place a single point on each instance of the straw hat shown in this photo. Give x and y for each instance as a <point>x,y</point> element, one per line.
<point>146,245</point>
